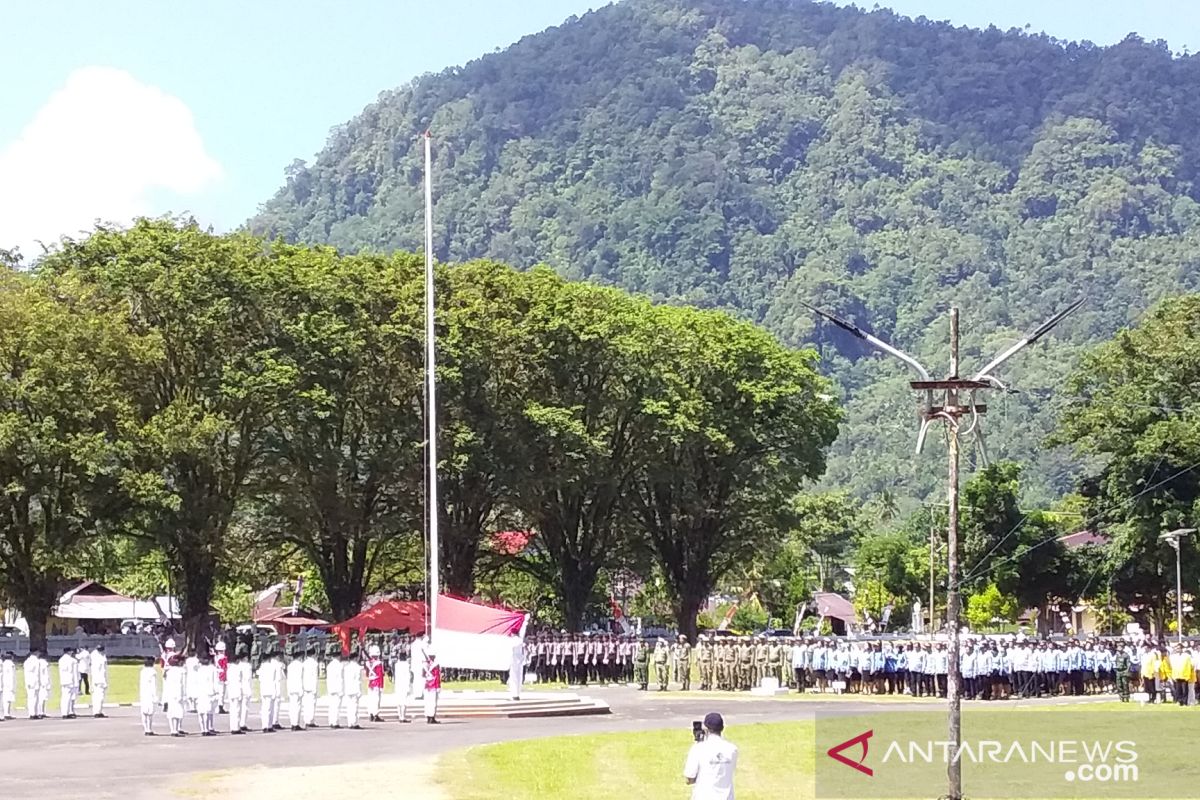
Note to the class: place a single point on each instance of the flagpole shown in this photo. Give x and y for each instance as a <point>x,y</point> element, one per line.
<point>431,394</point>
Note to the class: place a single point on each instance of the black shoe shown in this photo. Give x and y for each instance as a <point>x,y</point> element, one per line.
<point>237,733</point>
<point>243,730</point>
<point>356,727</point>
<point>276,727</point>
<point>405,720</point>
<point>295,727</point>
<point>99,716</point>
<point>178,735</point>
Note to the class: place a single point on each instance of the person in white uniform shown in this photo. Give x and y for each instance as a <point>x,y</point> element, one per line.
<point>68,683</point>
<point>402,679</point>
<point>295,690</point>
<point>352,679</point>
<point>516,670</point>
<point>99,667</point>
<point>191,665</point>
<point>711,763</point>
<point>270,678</point>
<point>8,685</point>
<point>43,695</point>
<point>432,673</point>
<point>207,696</point>
<point>31,672</point>
<point>174,692</point>
<point>334,689</point>
<point>148,695</point>
<point>233,690</point>
<point>247,682</point>
<point>310,673</point>
<point>416,662</point>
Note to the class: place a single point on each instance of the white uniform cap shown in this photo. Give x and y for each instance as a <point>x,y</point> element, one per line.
<point>170,644</point>
<point>373,651</point>
<point>220,647</point>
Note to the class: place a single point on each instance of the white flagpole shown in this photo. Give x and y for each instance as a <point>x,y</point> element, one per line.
<point>431,394</point>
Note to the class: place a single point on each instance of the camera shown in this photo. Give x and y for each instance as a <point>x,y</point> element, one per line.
<point>698,730</point>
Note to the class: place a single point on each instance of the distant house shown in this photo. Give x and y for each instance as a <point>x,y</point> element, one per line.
<point>270,609</point>
<point>96,608</point>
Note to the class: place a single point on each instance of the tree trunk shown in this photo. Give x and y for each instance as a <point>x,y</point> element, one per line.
<point>460,550</point>
<point>36,619</point>
<point>575,589</point>
<point>686,610</point>
<point>196,579</point>
<point>345,599</point>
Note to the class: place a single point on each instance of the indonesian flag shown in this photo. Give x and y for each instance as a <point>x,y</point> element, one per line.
<point>475,636</point>
<point>622,624</point>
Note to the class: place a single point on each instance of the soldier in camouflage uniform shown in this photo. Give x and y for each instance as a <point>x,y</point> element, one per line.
<point>1121,668</point>
<point>761,654</point>
<point>745,665</point>
<point>662,666</point>
<point>641,665</point>
<point>704,659</point>
<point>683,663</point>
<point>775,662</point>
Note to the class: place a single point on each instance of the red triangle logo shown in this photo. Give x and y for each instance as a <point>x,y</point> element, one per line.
<point>835,753</point>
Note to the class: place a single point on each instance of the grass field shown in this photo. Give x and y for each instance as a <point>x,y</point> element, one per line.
<point>122,686</point>
<point>775,761</point>
<point>780,760</point>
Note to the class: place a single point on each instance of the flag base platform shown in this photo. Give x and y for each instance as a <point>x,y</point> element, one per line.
<point>491,705</point>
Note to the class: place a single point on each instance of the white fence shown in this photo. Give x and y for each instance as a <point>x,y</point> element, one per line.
<point>115,645</point>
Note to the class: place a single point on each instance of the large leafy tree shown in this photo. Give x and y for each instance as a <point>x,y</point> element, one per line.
<point>1135,411</point>
<point>825,525</point>
<point>581,436</point>
<point>484,373</point>
<point>205,401</point>
<point>341,475</point>
<point>68,368</point>
<point>743,423</point>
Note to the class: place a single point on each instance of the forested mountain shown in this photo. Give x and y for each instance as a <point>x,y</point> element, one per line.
<point>753,154</point>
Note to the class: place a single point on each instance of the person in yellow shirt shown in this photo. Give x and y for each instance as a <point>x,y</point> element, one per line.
<point>1183,672</point>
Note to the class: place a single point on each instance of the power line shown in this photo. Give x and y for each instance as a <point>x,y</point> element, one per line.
<point>1093,519</point>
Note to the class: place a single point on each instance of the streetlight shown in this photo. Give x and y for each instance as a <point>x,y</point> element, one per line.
<point>1172,538</point>
<point>958,402</point>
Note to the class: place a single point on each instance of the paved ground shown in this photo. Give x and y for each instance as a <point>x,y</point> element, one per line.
<point>110,758</point>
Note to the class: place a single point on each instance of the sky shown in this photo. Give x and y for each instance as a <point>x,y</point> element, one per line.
<point>141,107</point>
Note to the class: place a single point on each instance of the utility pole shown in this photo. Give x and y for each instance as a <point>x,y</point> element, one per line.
<point>932,561</point>
<point>951,411</point>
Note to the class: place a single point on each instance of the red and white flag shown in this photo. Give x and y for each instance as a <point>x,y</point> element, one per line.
<point>475,636</point>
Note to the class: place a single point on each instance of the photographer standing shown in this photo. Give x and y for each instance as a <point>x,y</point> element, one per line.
<point>710,762</point>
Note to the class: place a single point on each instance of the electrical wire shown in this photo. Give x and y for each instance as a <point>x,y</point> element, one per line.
<point>1057,538</point>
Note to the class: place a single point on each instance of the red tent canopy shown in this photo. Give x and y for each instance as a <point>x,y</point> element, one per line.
<point>386,615</point>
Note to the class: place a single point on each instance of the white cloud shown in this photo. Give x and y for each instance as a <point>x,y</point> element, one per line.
<point>100,148</point>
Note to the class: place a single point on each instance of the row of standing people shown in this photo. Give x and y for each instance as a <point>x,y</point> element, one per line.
<point>35,674</point>
<point>290,682</point>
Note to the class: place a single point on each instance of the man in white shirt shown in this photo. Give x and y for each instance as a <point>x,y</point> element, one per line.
<point>310,673</point>
<point>68,683</point>
<point>233,687</point>
<point>8,685</point>
<point>270,679</point>
<point>83,660</point>
<point>99,687</point>
<point>333,687</point>
<point>711,762</point>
